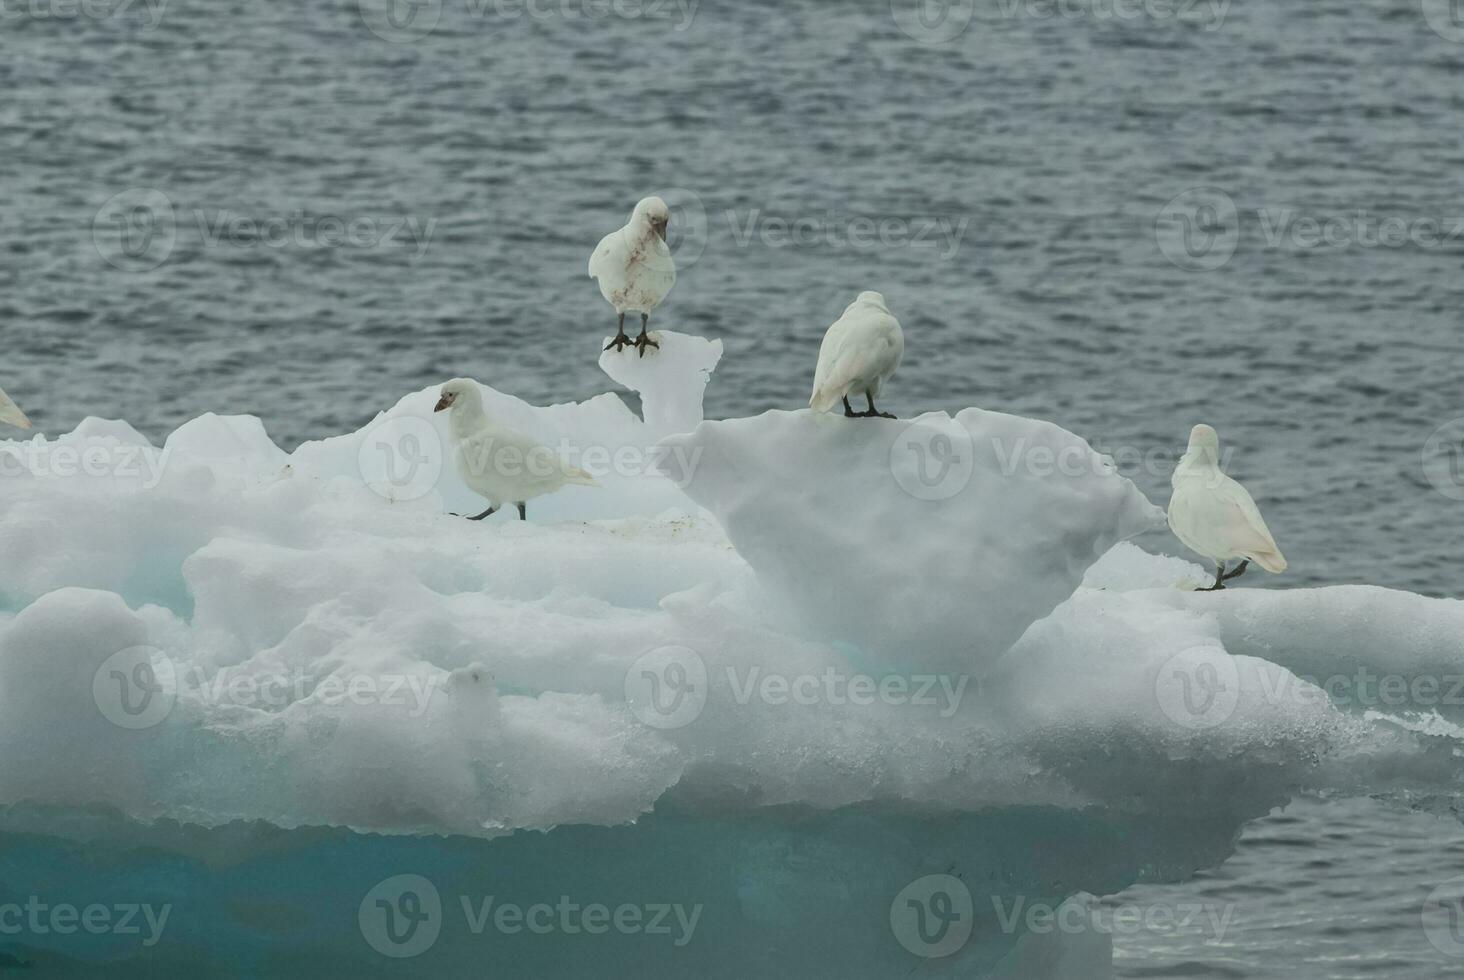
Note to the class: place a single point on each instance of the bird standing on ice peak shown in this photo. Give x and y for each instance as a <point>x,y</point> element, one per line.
<point>859,353</point>
<point>635,270</point>
<point>1214,516</point>
<point>496,462</point>
<point>11,414</point>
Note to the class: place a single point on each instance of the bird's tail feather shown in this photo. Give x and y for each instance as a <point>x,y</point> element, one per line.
<point>1271,561</point>
<point>823,400</point>
<point>573,474</point>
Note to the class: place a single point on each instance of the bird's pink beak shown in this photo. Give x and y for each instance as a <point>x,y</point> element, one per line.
<point>443,402</point>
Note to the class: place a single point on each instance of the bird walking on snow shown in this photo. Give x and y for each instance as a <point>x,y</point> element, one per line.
<point>496,462</point>
<point>1214,516</point>
<point>11,414</point>
<point>635,270</point>
<point>859,353</point>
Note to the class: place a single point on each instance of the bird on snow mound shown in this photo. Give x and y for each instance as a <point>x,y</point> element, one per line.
<point>496,462</point>
<point>859,353</point>
<point>1214,516</point>
<point>634,268</point>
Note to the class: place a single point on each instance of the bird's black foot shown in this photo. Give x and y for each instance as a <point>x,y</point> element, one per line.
<point>475,517</point>
<point>523,512</point>
<point>1220,578</point>
<point>873,412</point>
<point>620,342</point>
<point>1237,572</point>
<point>644,341</point>
<point>849,412</point>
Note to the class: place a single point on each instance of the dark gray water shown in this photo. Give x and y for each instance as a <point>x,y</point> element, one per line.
<point>1122,218</point>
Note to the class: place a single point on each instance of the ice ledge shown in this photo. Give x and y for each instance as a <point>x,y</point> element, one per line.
<point>940,538</point>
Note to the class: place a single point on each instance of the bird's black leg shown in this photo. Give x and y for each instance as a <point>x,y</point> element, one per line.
<point>621,341</point>
<point>1220,578</point>
<point>523,511</point>
<point>643,341</point>
<point>849,412</point>
<point>1238,571</point>
<point>874,412</point>
<point>479,517</point>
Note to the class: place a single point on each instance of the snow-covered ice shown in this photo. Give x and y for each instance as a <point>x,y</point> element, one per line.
<point>935,541</point>
<point>787,667</point>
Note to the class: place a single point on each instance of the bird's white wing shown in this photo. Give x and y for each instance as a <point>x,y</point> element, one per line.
<point>10,412</point>
<point>1220,518</point>
<point>1253,536</point>
<point>608,256</point>
<point>837,358</point>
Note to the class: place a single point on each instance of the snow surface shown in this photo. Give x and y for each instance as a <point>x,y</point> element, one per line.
<point>839,677</point>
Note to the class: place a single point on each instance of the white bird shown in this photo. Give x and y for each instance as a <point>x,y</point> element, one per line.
<point>1214,516</point>
<point>859,353</point>
<point>500,464</point>
<point>635,270</point>
<point>10,413</point>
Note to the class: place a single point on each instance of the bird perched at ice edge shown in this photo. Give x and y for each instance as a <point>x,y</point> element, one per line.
<point>10,413</point>
<point>859,353</point>
<point>634,268</point>
<point>496,462</point>
<point>1214,516</point>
